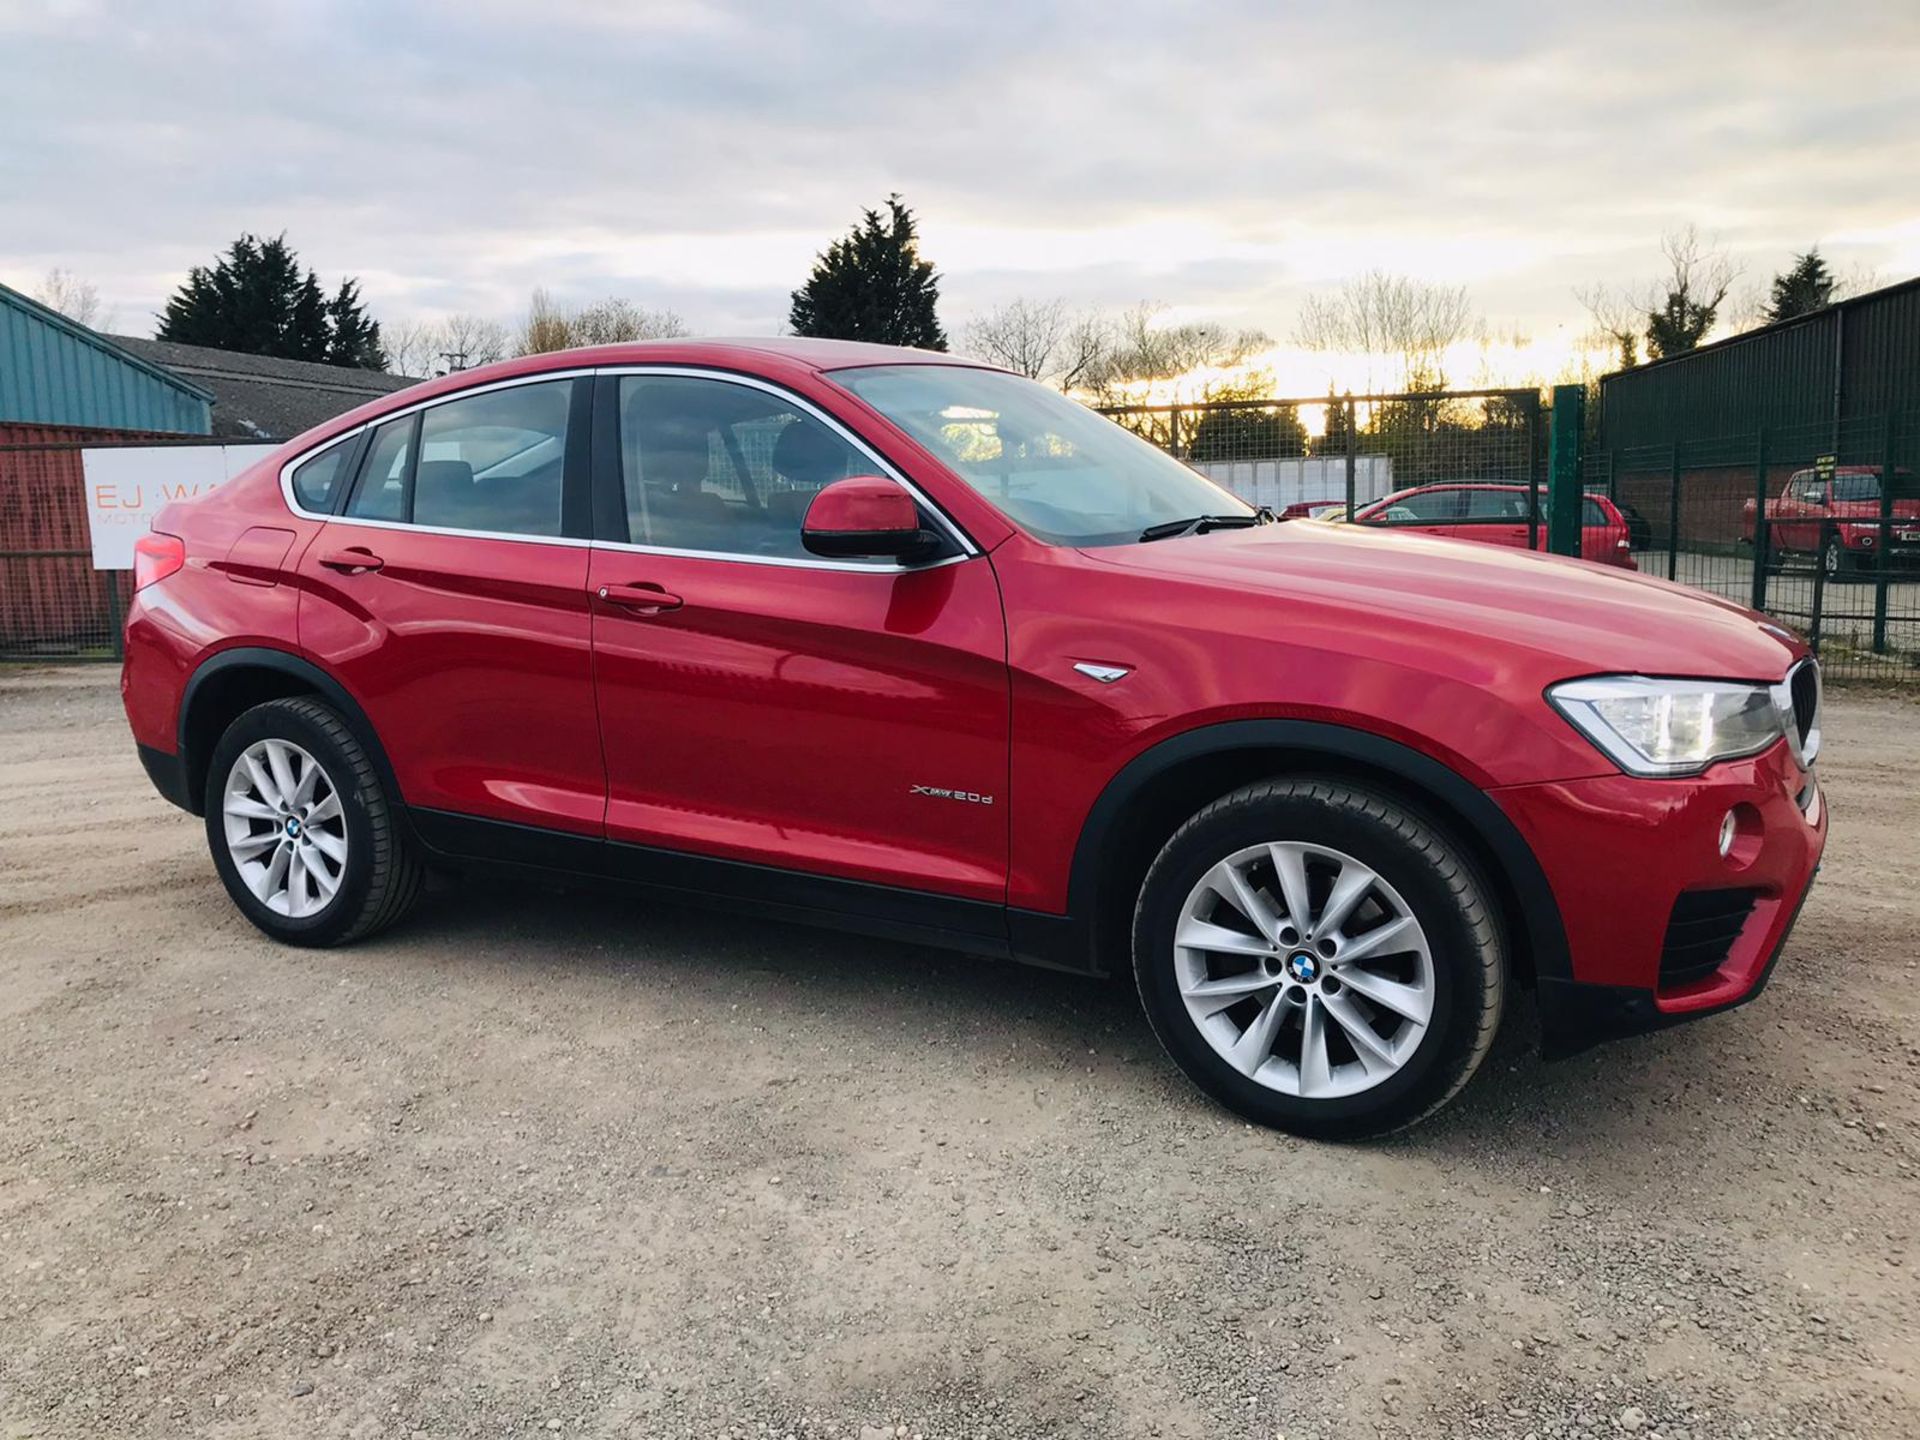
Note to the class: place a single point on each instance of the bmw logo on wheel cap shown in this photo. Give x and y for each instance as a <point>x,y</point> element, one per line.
<point>1303,967</point>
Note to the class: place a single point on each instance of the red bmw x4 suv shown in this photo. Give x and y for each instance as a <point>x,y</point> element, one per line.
<point>879,639</point>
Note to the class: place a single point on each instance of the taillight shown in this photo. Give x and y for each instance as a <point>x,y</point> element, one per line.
<point>155,557</point>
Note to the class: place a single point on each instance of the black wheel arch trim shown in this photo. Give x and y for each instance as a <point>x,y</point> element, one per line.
<point>1545,937</point>
<point>283,662</point>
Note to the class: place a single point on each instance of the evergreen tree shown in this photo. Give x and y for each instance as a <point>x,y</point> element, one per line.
<point>354,340</point>
<point>1805,286</point>
<point>254,299</point>
<point>873,285</point>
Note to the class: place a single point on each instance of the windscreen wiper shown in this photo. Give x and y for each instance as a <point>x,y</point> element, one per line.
<point>1200,524</point>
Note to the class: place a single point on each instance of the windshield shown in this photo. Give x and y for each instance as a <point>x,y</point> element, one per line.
<point>1058,470</point>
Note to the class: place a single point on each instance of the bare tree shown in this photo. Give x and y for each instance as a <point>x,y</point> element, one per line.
<point>1699,275</point>
<point>1671,314</point>
<point>1408,324</point>
<point>77,299</point>
<point>1026,336</point>
<point>1137,347</point>
<point>1619,315</point>
<point>552,326</point>
<point>438,347</point>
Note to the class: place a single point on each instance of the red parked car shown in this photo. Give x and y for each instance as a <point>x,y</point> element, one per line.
<point>1837,518</point>
<point>1496,514</point>
<point>878,639</point>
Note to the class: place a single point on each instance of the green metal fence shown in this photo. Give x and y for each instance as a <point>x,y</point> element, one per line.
<point>1816,523</point>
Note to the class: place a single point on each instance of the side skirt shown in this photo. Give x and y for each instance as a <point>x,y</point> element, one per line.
<point>976,927</point>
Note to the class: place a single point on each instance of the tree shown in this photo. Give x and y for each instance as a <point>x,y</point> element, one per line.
<point>77,299</point>
<point>353,340</point>
<point>1617,319</point>
<point>1122,355</point>
<point>552,326</point>
<point>1698,279</point>
<point>255,300</point>
<point>1246,431</point>
<point>873,285</point>
<point>1026,336</point>
<point>1408,324</point>
<point>1804,286</point>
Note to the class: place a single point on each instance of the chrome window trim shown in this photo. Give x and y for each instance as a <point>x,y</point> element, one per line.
<point>968,550</point>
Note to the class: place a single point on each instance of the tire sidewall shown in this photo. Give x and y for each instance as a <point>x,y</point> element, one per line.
<point>275,721</point>
<point>1460,981</point>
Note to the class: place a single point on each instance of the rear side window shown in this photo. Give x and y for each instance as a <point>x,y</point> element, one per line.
<point>1592,514</point>
<point>495,462</point>
<point>1495,505</point>
<point>316,481</point>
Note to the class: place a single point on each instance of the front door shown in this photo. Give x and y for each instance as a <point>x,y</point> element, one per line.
<point>450,598</point>
<point>758,704</point>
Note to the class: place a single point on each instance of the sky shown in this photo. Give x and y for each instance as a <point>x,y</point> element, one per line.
<point>1225,160</point>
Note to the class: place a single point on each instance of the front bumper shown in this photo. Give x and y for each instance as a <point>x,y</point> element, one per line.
<point>1618,852</point>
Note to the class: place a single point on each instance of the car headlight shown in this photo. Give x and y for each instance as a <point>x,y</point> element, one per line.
<point>1670,727</point>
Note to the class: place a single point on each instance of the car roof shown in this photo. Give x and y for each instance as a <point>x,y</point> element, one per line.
<point>771,357</point>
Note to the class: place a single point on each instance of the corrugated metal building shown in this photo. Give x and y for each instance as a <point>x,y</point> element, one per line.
<point>61,387</point>
<point>54,371</point>
<point>1823,375</point>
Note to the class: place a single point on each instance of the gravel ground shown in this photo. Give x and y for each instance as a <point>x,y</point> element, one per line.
<point>535,1164</point>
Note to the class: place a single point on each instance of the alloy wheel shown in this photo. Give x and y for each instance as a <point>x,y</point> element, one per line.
<point>285,829</point>
<point>1304,970</point>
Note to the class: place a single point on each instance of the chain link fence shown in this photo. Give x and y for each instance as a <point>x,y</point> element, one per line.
<point>1343,452</point>
<point>1816,524</point>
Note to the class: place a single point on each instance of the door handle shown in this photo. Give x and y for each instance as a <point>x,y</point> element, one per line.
<point>355,560</point>
<point>642,598</point>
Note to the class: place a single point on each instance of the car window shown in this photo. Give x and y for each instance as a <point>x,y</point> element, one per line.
<point>1061,472</point>
<point>1591,513</point>
<point>713,466</point>
<point>1495,505</point>
<point>1807,488</point>
<point>382,491</point>
<point>494,462</point>
<point>1856,487</point>
<point>1425,507</point>
<point>315,480</point>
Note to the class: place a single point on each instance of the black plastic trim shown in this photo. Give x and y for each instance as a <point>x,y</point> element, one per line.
<point>1546,936</point>
<point>950,922</point>
<point>1575,1016</point>
<point>283,662</point>
<point>168,774</point>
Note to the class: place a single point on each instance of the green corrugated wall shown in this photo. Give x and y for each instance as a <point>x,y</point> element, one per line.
<point>54,372</point>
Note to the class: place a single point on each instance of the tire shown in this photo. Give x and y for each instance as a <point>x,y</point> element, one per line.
<point>1451,963</point>
<point>354,872</point>
<point>1838,563</point>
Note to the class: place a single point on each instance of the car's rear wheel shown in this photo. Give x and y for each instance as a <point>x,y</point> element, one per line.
<point>1318,958</point>
<point>302,831</point>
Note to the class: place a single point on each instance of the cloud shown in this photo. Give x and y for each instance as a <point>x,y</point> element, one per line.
<point>698,155</point>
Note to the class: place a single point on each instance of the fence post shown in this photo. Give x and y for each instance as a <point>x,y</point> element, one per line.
<point>1819,600</point>
<point>1353,441</point>
<point>1673,517</point>
<point>1173,432</point>
<point>1563,469</point>
<point>1759,596</point>
<point>1883,561</point>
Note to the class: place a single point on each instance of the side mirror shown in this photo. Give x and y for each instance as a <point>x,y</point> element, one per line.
<point>865,517</point>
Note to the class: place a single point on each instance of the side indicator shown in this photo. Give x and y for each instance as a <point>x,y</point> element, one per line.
<point>1105,674</point>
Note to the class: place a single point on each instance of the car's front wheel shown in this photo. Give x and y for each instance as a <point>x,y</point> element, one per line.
<point>1319,958</point>
<point>302,831</point>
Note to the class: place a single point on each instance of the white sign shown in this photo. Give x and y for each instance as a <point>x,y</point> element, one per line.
<point>1280,483</point>
<point>128,484</point>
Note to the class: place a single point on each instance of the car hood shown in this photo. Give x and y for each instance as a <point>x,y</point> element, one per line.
<point>1578,618</point>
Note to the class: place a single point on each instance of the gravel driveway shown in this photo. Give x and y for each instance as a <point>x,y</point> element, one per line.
<point>538,1163</point>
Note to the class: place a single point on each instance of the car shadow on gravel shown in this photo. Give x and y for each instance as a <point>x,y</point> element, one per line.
<point>1518,1103</point>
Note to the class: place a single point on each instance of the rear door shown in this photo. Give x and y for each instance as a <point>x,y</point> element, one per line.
<point>842,718</point>
<point>1494,517</point>
<point>449,597</point>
